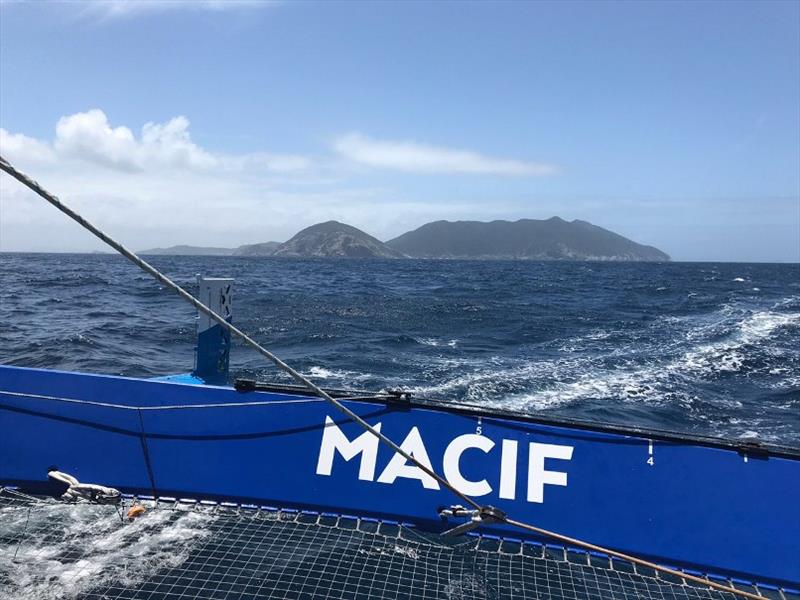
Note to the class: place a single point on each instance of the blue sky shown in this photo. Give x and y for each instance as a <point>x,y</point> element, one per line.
<point>675,124</point>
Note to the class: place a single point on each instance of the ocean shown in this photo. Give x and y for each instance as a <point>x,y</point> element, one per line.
<point>706,348</point>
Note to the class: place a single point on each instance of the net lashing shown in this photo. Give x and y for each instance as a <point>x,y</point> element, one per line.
<point>187,549</point>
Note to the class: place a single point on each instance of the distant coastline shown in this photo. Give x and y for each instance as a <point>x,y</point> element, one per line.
<point>672,261</point>
<point>526,239</point>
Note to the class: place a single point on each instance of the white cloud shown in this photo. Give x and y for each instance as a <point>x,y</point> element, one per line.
<point>169,143</point>
<point>154,186</point>
<point>24,148</point>
<point>89,137</point>
<point>279,163</point>
<point>116,9</point>
<point>414,157</point>
<point>157,187</point>
<point>164,208</point>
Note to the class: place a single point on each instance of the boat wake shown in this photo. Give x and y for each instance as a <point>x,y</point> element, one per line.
<point>700,348</point>
<point>673,366</point>
<point>38,557</point>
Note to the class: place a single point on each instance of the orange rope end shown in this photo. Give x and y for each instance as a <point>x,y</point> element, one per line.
<point>135,511</point>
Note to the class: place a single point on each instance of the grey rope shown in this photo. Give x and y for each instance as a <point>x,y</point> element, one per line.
<point>18,494</point>
<point>24,531</point>
<point>52,199</point>
<point>164,407</point>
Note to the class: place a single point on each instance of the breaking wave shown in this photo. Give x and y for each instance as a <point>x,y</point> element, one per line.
<point>672,370</point>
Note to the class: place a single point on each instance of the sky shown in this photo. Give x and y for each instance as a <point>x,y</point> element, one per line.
<point>225,123</point>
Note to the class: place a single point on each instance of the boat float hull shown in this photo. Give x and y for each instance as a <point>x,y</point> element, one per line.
<point>681,501</point>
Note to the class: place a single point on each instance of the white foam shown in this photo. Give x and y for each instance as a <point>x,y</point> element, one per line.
<point>468,586</point>
<point>321,373</point>
<point>112,551</point>
<point>729,353</point>
<point>718,343</point>
<point>437,342</point>
<point>338,374</point>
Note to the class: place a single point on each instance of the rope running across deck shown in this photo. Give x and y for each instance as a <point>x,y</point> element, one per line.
<point>317,391</point>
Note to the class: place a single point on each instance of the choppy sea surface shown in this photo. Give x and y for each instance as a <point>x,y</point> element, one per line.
<point>702,348</point>
<point>693,347</point>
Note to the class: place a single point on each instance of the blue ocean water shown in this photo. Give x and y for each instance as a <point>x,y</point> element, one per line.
<point>702,348</point>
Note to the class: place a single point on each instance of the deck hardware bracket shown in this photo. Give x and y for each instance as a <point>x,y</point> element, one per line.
<point>399,399</point>
<point>245,385</point>
<point>487,515</point>
<point>752,449</point>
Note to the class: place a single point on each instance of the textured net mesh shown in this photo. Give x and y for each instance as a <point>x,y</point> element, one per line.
<point>193,550</point>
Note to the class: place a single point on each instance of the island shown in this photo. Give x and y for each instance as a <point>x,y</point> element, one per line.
<point>525,239</point>
<point>550,239</point>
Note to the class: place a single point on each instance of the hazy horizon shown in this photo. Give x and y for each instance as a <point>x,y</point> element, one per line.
<point>674,124</point>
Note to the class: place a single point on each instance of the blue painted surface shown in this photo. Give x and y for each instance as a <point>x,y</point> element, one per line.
<point>187,378</point>
<point>696,506</point>
<point>213,355</point>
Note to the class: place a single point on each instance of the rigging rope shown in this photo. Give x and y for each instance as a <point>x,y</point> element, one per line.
<point>166,281</point>
<point>317,391</point>
<point>167,406</point>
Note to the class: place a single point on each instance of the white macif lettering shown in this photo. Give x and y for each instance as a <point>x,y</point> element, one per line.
<point>397,467</point>
<point>452,470</point>
<point>334,440</point>
<point>508,470</point>
<point>537,476</point>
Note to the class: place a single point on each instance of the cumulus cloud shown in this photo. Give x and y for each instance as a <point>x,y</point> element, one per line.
<point>414,157</point>
<point>89,137</point>
<point>154,186</point>
<point>24,148</point>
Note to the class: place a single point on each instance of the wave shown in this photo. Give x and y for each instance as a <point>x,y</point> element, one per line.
<point>342,376</point>
<point>452,343</point>
<point>588,341</point>
<point>670,371</point>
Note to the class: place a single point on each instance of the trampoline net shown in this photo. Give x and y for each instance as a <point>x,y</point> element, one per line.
<point>185,549</point>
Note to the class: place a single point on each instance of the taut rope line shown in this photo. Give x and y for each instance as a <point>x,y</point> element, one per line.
<point>148,268</point>
<point>166,281</point>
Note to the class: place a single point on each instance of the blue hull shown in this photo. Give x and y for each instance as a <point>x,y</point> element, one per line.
<point>682,502</point>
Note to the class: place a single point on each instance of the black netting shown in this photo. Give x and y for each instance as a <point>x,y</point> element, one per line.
<point>192,550</point>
